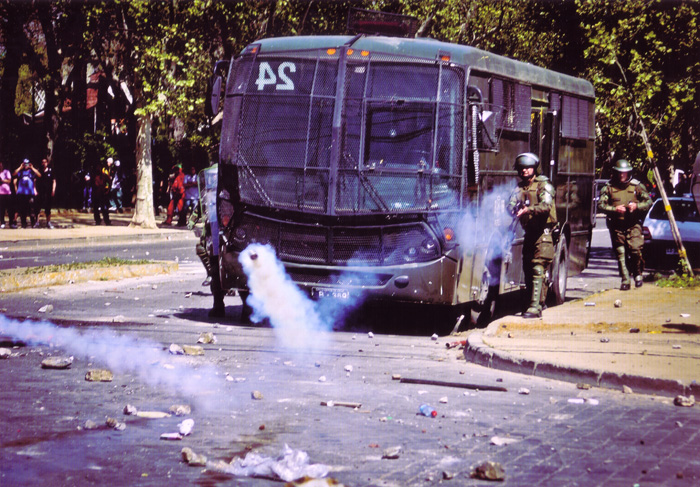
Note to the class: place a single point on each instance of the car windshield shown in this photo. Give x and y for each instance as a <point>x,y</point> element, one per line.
<point>683,211</point>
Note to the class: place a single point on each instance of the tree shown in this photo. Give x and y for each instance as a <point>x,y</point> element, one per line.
<point>642,57</point>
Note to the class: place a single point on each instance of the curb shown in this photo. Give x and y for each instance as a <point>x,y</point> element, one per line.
<point>14,282</point>
<point>477,352</point>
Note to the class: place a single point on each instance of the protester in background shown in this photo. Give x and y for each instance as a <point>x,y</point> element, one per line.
<point>191,193</point>
<point>115,192</point>
<point>100,193</point>
<point>532,203</point>
<point>177,193</point>
<point>25,189</point>
<point>45,191</point>
<point>625,201</point>
<point>5,196</point>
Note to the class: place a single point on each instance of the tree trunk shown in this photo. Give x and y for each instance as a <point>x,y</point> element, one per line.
<point>144,215</point>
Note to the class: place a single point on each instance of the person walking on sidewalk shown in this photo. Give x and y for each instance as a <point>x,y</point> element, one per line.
<point>115,193</point>
<point>177,193</point>
<point>100,193</point>
<point>625,201</point>
<point>5,196</point>
<point>45,191</point>
<point>25,189</point>
<point>532,203</point>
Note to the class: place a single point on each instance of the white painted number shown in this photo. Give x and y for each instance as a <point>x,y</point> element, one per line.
<point>266,76</point>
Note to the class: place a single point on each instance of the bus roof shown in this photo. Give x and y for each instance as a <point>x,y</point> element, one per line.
<point>431,49</point>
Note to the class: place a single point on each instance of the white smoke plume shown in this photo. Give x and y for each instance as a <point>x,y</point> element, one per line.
<point>120,353</point>
<point>273,295</point>
<point>488,222</point>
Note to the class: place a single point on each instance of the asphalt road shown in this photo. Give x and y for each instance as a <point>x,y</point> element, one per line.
<point>561,436</point>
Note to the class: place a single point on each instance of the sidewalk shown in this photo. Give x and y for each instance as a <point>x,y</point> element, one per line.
<point>72,227</point>
<point>650,343</point>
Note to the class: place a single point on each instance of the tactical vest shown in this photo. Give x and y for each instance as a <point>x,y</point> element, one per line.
<point>622,196</point>
<point>531,193</point>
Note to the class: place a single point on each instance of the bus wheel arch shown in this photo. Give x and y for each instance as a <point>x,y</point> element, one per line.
<point>483,308</point>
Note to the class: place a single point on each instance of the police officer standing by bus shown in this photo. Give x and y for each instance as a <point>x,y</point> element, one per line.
<point>532,203</point>
<point>625,201</point>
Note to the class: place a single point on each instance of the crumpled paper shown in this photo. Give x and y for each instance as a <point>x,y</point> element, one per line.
<point>288,466</point>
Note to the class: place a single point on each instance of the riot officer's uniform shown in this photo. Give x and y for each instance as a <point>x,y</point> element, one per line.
<point>533,204</point>
<point>625,201</point>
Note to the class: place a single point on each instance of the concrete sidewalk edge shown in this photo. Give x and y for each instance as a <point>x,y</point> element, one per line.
<point>477,352</point>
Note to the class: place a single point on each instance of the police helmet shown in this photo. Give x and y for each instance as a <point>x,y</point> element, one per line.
<point>622,166</point>
<point>527,159</point>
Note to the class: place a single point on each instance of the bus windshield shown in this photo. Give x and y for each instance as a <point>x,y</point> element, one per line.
<point>400,141</point>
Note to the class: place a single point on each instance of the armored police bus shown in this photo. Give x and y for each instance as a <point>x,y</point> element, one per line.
<point>357,158</point>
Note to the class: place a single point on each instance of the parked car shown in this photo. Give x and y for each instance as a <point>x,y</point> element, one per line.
<point>660,250</point>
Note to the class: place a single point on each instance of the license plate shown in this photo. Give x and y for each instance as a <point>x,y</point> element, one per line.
<point>672,251</point>
<point>326,293</point>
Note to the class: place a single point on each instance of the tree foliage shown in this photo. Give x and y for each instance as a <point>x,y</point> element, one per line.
<point>639,54</point>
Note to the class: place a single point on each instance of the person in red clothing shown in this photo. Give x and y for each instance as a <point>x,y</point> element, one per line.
<point>177,194</point>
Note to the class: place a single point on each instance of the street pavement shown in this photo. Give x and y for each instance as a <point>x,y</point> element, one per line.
<point>649,341</point>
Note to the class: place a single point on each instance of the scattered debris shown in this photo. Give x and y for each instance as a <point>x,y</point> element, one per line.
<point>118,319</point>
<point>589,304</point>
<point>322,378</point>
<point>617,303</point>
<point>482,387</point>
<point>288,466</point>
<point>311,482</point>
<point>206,337</point>
<point>443,400</point>
<point>176,349</point>
<point>193,459</point>
<point>576,400</point>
<point>459,343</point>
<point>193,350</point>
<point>99,375</point>
<point>676,347</point>
<point>524,391</point>
<point>185,428</point>
<point>634,330</point>
<point>348,368</point>
<point>171,436</point>
<point>392,453</point>
<point>130,409</point>
<point>510,334</point>
<point>604,340</point>
<point>90,425</point>
<point>427,410</point>
<point>627,390</point>
<point>488,471</point>
<point>115,425</point>
<point>5,353</point>
<point>353,405</point>
<point>57,362</point>
<point>501,440</point>
<point>180,410</point>
<point>684,401</point>
<point>152,414</point>
<point>46,309</point>
<point>448,475</point>
<point>370,335</point>
<point>257,395</point>
<point>396,377</point>
<point>685,315</point>
<point>434,337</point>
<point>679,424</point>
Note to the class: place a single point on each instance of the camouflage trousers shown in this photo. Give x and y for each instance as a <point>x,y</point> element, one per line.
<point>627,242</point>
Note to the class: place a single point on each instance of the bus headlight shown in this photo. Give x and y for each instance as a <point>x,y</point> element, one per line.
<point>410,255</point>
<point>428,247</point>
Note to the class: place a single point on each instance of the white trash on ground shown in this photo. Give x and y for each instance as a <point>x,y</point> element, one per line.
<point>289,465</point>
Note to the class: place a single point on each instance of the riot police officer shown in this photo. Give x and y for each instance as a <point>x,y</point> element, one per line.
<point>532,203</point>
<point>625,201</point>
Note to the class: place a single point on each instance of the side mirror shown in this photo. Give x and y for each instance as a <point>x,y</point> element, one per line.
<point>213,95</point>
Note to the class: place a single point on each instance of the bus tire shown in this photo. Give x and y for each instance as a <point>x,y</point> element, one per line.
<point>483,309</point>
<point>560,270</point>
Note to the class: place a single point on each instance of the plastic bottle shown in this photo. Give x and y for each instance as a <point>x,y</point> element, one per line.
<point>428,411</point>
